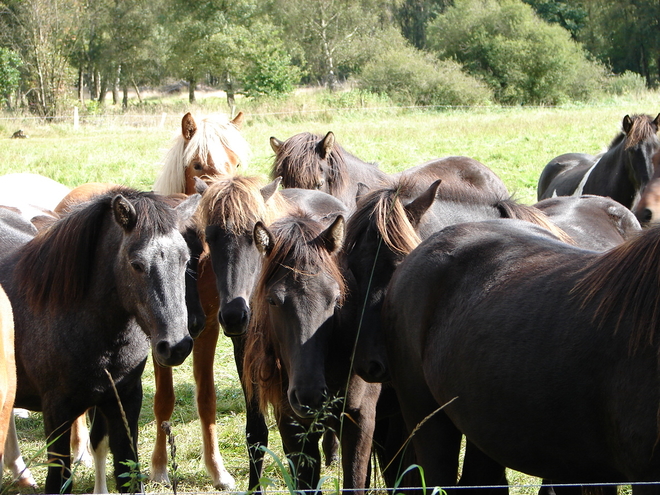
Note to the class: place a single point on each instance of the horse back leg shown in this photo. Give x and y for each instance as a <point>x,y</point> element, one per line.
<point>58,438</point>
<point>163,409</point>
<point>100,445</point>
<point>203,357</point>
<point>13,460</point>
<point>80,441</point>
<point>256,430</point>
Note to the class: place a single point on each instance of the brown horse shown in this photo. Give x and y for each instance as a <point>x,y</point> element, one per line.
<point>206,147</point>
<point>7,370</point>
<point>309,161</point>
<point>298,348</point>
<point>648,208</point>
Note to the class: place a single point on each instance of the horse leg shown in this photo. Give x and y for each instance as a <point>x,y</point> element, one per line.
<point>100,446</point>
<point>481,470</point>
<point>203,356</point>
<point>13,459</point>
<point>256,430</point>
<point>123,442</point>
<point>58,438</point>
<point>163,409</point>
<point>302,449</point>
<point>357,432</point>
<point>80,441</point>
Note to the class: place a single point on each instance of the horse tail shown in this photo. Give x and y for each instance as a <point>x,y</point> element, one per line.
<point>511,209</point>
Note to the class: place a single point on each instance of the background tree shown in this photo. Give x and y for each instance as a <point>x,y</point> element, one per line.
<point>10,75</point>
<point>43,33</point>
<point>413,17</point>
<point>522,58</point>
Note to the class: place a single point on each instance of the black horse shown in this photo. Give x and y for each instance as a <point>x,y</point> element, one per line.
<point>620,173</point>
<point>546,354</point>
<point>92,295</point>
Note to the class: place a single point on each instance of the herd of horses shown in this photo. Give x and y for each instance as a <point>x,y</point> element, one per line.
<point>391,314</point>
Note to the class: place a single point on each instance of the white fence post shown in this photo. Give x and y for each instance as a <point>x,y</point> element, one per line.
<point>162,120</point>
<point>76,120</point>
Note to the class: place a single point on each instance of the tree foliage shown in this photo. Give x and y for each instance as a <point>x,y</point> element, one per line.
<point>10,75</point>
<point>524,60</point>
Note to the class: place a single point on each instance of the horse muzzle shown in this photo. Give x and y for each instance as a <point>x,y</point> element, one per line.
<point>167,354</point>
<point>234,317</point>
<point>307,403</point>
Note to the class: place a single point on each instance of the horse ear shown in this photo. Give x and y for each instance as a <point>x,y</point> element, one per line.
<point>238,120</point>
<point>276,144</point>
<point>327,144</point>
<point>124,212</point>
<point>268,190</point>
<point>188,126</point>
<point>656,121</point>
<point>333,236</point>
<point>200,185</point>
<point>416,209</point>
<point>263,239</point>
<point>186,209</point>
<point>627,124</point>
<point>362,190</point>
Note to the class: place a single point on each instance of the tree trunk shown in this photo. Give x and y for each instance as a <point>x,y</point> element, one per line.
<point>192,84</point>
<point>124,101</point>
<point>81,82</point>
<point>115,86</point>
<point>137,90</point>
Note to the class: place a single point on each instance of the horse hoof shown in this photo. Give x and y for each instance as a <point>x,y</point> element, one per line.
<point>226,482</point>
<point>83,457</point>
<point>26,481</point>
<point>161,477</point>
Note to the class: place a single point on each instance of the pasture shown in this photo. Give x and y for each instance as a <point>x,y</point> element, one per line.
<point>514,142</point>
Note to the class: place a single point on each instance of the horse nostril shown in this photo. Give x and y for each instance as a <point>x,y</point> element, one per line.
<point>173,355</point>
<point>646,216</point>
<point>376,372</point>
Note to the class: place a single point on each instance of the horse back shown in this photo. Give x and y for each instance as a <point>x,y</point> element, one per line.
<point>562,175</point>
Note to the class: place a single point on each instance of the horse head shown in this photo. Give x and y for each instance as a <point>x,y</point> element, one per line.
<point>641,144</point>
<point>299,292</point>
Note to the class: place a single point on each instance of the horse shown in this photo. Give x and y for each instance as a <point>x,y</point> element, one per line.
<point>592,222</point>
<point>297,354</point>
<point>7,371</point>
<point>620,173</point>
<point>309,161</point>
<point>31,194</point>
<point>544,354</point>
<point>646,210</point>
<point>206,147</point>
<point>229,209</point>
<point>210,145</point>
<point>91,294</point>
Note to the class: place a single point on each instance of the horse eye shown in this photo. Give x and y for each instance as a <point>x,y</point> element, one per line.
<point>137,266</point>
<point>198,166</point>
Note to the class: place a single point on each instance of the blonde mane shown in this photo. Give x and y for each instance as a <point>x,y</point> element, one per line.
<point>215,135</point>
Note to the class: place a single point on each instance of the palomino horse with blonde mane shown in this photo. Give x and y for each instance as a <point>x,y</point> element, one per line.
<point>7,370</point>
<point>208,146</point>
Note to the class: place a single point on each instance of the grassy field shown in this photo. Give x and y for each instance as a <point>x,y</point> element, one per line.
<point>515,142</point>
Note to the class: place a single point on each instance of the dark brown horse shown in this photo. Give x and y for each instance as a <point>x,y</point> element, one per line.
<point>592,222</point>
<point>94,294</point>
<point>549,353</point>
<point>298,348</point>
<point>620,173</point>
<point>309,161</point>
<point>230,208</point>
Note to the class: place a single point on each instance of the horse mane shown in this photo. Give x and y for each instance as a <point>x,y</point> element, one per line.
<point>627,279</point>
<point>215,134</point>
<point>235,203</point>
<point>642,129</point>
<point>511,209</point>
<point>296,162</point>
<point>56,266</point>
<point>297,248</point>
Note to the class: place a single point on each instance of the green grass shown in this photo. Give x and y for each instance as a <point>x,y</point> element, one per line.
<point>515,142</point>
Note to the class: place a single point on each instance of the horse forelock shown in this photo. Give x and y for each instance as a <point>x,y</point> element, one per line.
<point>384,211</point>
<point>298,250</point>
<point>236,204</point>
<point>55,268</point>
<point>214,136</point>
<point>642,130</point>
<point>297,162</point>
<point>624,282</point>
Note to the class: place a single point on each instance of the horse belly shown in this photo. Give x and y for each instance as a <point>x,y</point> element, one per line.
<point>535,403</point>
